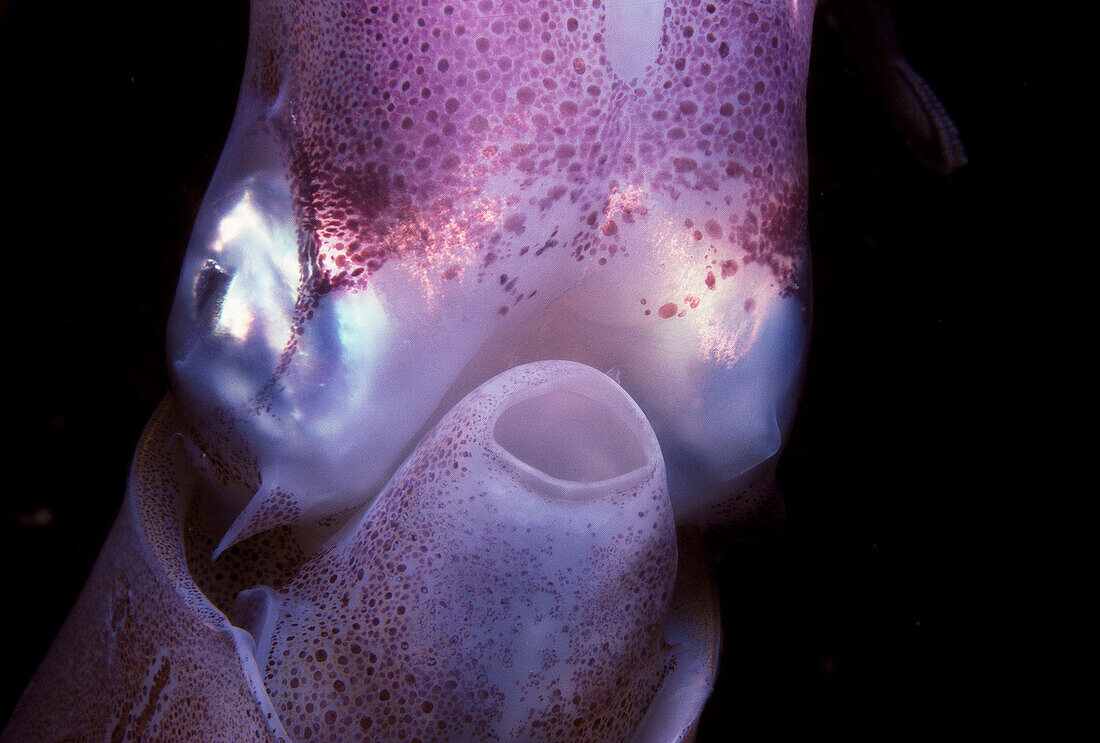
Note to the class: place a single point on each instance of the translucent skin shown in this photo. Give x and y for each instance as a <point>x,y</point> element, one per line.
<point>483,601</point>
<point>144,655</point>
<point>480,598</point>
<point>413,204</point>
<point>413,199</point>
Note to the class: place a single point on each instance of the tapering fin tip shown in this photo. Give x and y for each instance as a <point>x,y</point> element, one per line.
<point>268,508</point>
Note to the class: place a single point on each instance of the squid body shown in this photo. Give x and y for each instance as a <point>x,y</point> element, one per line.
<point>488,303</point>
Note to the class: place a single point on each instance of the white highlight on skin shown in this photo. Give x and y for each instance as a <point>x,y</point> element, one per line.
<point>686,280</point>
<point>633,33</point>
<point>263,286</point>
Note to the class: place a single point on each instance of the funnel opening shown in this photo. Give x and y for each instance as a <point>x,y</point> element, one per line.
<point>569,436</point>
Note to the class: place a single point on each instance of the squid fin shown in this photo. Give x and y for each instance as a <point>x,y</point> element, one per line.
<point>269,507</point>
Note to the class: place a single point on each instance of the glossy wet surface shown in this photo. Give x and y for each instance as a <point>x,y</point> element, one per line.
<point>834,596</point>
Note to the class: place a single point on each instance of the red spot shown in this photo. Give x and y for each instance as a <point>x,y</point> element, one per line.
<point>710,279</point>
<point>692,301</point>
<point>609,228</point>
<point>667,310</point>
<point>729,268</point>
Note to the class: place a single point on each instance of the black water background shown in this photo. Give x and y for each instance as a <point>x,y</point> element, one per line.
<point>112,117</point>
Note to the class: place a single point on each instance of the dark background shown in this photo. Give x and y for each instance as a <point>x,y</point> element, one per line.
<point>113,116</point>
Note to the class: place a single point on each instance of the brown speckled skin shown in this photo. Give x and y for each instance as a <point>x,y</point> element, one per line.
<point>484,172</point>
<point>400,117</point>
<point>469,605</point>
<point>143,656</point>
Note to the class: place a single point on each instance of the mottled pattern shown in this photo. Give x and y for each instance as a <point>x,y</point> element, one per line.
<point>270,558</point>
<point>756,504</point>
<point>477,599</point>
<point>143,655</point>
<point>469,603</point>
<point>222,456</point>
<point>415,197</point>
<point>414,193</point>
<point>425,132</point>
<point>272,508</point>
<point>693,628</point>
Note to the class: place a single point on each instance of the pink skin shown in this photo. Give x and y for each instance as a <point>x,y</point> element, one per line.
<point>486,600</point>
<point>144,655</point>
<point>477,595</point>
<point>411,203</point>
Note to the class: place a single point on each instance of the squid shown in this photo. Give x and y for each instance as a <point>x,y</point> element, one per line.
<point>488,307</point>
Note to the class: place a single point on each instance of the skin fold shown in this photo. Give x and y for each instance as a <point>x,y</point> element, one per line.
<point>419,211</point>
<point>487,601</point>
<point>413,201</point>
<point>366,259</point>
<point>272,558</point>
